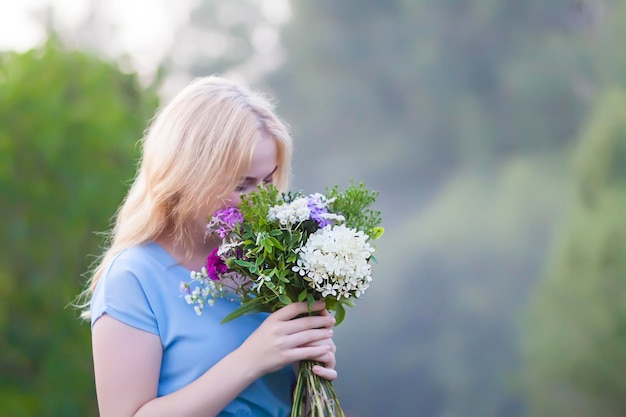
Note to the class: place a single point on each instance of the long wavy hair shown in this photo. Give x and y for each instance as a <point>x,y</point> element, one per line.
<point>194,153</point>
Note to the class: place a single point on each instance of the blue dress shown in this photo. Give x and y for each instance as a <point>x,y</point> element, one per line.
<point>141,288</point>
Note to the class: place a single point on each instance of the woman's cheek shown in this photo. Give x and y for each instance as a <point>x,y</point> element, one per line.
<point>232,200</point>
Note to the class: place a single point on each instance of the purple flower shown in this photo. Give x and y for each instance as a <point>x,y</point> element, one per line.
<point>215,266</point>
<point>318,209</point>
<point>231,216</point>
<point>224,221</point>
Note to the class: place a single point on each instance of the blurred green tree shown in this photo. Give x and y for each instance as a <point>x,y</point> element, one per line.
<point>69,125</point>
<point>577,330</point>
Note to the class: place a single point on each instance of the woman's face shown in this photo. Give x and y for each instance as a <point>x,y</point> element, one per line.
<point>262,169</point>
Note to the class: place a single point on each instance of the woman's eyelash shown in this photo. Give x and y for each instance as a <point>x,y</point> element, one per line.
<point>243,187</point>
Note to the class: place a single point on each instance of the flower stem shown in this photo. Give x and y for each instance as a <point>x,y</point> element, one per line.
<point>314,396</point>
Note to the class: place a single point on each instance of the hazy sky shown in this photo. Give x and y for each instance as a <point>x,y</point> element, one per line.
<point>143,30</point>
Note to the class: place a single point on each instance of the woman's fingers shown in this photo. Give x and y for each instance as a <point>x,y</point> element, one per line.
<point>329,342</point>
<point>285,337</point>
<point>327,358</point>
<point>325,373</point>
<point>307,338</point>
<point>310,352</point>
<point>295,309</point>
<point>309,322</point>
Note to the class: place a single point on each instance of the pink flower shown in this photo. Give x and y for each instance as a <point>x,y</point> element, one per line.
<point>215,266</point>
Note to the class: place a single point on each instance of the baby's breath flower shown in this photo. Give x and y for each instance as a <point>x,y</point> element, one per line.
<point>291,213</point>
<point>334,261</point>
<point>201,290</point>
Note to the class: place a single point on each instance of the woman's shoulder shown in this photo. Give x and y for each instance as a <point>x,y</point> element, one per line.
<point>139,265</point>
<point>130,287</point>
<point>139,257</point>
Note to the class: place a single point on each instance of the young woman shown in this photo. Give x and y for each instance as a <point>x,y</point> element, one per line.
<point>153,356</point>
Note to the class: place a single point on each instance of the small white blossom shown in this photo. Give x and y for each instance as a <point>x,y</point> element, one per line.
<point>228,248</point>
<point>332,216</point>
<point>201,290</point>
<point>262,279</point>
<point>290,213</point>
<point>334,261</point>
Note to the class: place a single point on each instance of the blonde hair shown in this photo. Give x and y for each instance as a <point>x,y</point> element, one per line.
<point>194,153</point>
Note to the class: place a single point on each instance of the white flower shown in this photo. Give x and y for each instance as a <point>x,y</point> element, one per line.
<point>290,213</point>
<point>334,261</point>
<point>332,216</point>
<point>228,248</point>
<point>262,279</point>
<point>204,291</point>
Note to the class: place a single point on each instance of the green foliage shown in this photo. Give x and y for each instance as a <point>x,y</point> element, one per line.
<point>69,124</point>
<point>274,250</point>
<point>355,205</point>
<point>577,330</point>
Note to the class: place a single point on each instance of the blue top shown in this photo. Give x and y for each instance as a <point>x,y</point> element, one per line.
<point>141,288</point>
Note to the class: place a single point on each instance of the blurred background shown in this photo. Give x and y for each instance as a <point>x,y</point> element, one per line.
<point>494,130</point>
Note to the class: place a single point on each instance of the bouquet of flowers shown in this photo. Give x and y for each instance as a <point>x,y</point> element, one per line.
<point>278,248</point>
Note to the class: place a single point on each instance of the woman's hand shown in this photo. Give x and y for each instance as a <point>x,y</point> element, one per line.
<point>327,359</point>
<point>283,339</point>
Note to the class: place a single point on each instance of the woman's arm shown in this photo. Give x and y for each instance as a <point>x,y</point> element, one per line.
<point>127,362</point>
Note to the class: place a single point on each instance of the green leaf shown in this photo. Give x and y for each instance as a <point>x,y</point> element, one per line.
<point>340,314</point>
<point>376,232</point>
<point>243,263</point>
<point>302,295</point>
<point>276,242</point>
<point>254,305</point>
<point>284,299</point>
<point>310,300</point>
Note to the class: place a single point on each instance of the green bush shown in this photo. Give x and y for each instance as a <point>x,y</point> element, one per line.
<point>577,331</point>
<point>69,126</point>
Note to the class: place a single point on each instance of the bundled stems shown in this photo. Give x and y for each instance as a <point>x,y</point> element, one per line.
<point>314,396</point>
